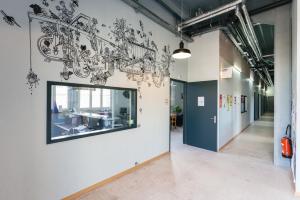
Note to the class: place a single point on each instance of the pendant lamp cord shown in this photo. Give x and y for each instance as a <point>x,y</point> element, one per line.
<point>181,7</point>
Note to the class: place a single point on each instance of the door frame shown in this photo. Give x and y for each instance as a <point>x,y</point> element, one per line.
<point>184,110</point>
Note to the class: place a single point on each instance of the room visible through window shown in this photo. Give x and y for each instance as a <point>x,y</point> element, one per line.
<point>86,110</point>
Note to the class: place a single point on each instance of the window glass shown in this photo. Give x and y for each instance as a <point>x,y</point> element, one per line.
<point>84,98</point>
<point>96,98</point>
<point>106,98</point>
<point>62,97</point>
<point>88,111</point>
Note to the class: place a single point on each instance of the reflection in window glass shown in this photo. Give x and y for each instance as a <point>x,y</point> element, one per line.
<point>96,98</point>
<point>61,97</point>
<point>106,98</point>
<point>84,98</point>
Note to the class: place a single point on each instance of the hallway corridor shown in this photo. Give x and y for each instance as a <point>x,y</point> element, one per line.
<point>256,142</point>
<point>242,171</point>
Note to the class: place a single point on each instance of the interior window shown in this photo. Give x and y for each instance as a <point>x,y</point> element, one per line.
<point>106,98</point>
<point>61,97</point>
<point>89,110</point>
<point>84,98</point>
<point>96,98</point>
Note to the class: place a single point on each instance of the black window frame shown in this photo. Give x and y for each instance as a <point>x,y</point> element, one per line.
<point>49,111</point>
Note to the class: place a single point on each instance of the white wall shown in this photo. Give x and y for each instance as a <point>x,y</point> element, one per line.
<point>231,120</point>
<point>280,17</point>
<point>179,69</point>
<point>32,170</point>
<point>204,63</point>
<point>296,89</point>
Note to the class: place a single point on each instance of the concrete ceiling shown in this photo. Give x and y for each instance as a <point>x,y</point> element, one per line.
<point>206,5</point>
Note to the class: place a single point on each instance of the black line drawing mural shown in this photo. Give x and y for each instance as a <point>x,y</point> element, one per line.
<point>32,78</point>
<point>75,41</point>
<point>9,19</point>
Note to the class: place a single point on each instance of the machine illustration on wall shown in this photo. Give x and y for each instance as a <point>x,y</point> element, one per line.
<point>75,41</point>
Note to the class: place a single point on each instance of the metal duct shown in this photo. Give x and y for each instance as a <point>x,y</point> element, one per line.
<point>231,37</point>
<point>211,14</point>
<point>262,78</point>
<point>268,76</point>
<point>252,39</point>
<point>246,33</point>
<point>250,26</point>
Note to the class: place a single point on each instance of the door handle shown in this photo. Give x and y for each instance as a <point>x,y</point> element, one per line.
<point>214,118</point>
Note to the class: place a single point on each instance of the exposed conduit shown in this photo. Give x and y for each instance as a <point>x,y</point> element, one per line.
<point>247,29</point>
<point>211,14</point>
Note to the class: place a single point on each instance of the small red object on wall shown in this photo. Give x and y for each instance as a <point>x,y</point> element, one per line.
<point>220,101</point>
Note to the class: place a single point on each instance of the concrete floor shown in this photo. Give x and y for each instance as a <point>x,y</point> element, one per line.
<point>242,171</point>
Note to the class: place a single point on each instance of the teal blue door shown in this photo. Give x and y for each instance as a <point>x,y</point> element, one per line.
<point>201,115</point>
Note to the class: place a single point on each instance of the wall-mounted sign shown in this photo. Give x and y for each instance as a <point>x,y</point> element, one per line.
<point>226,72</point>
<point>201,101</point>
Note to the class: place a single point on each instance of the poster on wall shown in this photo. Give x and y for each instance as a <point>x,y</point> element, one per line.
<point>228,102</point>
<point>226,73</point>
<point>201,101</point>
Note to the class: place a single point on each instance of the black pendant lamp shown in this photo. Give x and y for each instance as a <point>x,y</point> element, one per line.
<point>181,53</point>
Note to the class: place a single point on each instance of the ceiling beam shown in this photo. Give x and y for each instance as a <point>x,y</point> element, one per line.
<point>175,8</point>
<point>269,6</point>
<point>154,17</point>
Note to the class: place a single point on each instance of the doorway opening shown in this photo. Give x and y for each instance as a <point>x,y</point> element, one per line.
<point>177,110</point>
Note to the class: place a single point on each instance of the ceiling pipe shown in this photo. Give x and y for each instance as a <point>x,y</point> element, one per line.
<point>239,37</point>
<point>247,29</point>
<point>247,35</point>
<point>262,78</point>
<point>234,41</point>
<point>211,14</point>
<point>251,29</point>
<point>231,37</point>
<point>229,34</point>
<point>253,37</point>
<point>148,13</point>
<point>267,56</point>
<point>268,76</point>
